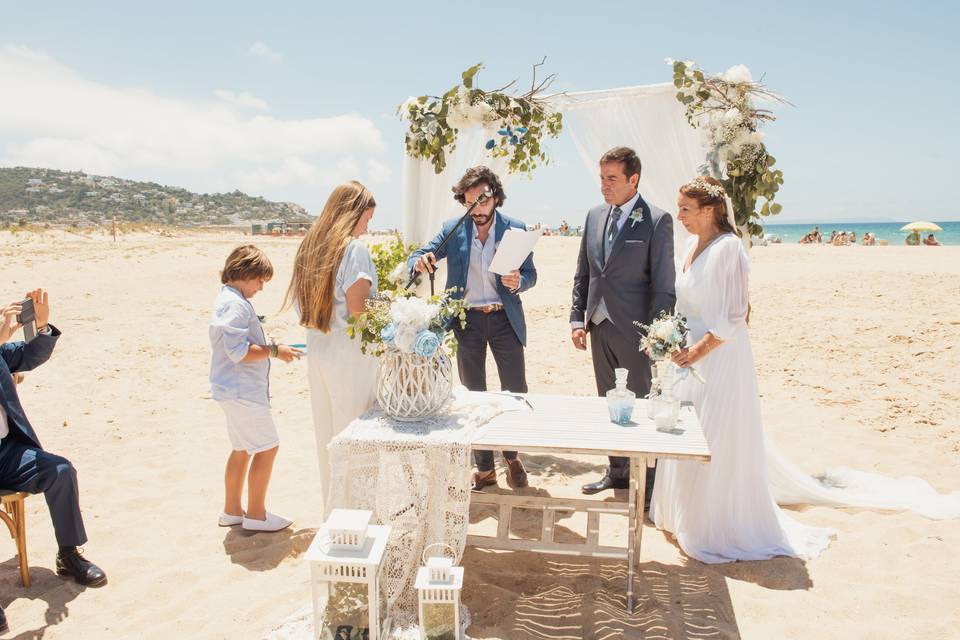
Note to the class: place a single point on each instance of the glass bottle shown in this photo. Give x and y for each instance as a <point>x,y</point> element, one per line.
<point>666,406</point>
<point>620,400</point>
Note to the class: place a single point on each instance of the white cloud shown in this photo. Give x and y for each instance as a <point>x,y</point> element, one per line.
<point>52,116</point>
<point>261,50</point>
<point>243,100</point>
<point>378,171</point>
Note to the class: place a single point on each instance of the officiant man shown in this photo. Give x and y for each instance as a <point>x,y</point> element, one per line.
<point>625,273</point>
<point>494,311</point>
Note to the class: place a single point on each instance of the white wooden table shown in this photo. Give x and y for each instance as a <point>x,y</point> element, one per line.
<point>582,426</point>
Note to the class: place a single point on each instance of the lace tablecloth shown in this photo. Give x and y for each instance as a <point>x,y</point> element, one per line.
<point>415,477</point>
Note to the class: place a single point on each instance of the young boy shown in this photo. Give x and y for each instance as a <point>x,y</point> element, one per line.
<point>239,382</point>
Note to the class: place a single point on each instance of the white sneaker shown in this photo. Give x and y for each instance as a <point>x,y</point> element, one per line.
<point>273,522</point>
<point>227,520</point>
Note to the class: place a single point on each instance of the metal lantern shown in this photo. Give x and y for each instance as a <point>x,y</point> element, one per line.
<point>345,558</point>
<point>438,586</point>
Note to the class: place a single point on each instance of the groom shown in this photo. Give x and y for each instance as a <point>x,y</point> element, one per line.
<point>625,273</point>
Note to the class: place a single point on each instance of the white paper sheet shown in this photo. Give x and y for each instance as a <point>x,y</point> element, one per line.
<point>514,247</point>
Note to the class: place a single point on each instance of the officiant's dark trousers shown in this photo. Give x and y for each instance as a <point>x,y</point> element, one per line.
<point>492,329</point>
<point>611,350</point>
<point>23,467</point>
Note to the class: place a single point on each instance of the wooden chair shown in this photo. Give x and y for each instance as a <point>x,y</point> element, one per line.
<point>15,517</point>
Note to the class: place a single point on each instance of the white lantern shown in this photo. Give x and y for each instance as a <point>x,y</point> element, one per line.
<point>345,558</point>
<point>438,586</point>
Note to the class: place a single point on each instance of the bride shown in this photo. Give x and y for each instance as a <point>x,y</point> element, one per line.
<point>727,509</point>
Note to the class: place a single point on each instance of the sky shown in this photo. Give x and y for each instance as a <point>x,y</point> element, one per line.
<point>288,99</point>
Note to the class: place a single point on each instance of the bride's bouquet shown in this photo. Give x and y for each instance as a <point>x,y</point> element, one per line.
<point>409,324</point>
<point>663,337</point>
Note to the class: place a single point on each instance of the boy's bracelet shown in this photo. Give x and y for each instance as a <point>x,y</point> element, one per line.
<point>274,349</point>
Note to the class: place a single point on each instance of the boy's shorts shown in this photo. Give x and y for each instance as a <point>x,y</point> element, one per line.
<point>249,426</point>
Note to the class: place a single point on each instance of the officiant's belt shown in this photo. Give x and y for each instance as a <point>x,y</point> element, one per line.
<point>488,308</point>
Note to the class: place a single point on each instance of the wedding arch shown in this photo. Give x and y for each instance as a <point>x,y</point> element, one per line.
<point>701,123</point>
<point>648,119</point>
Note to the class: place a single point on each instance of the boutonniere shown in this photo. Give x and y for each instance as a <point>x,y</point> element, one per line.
<point>635,217</point>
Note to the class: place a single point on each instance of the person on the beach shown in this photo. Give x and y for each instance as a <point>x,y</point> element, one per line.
<point>333,277</point>
<point>494,310</point>
<point>913,239</point>
<point>239,382</point>
<point>24,464</point>
<point>625,273</point>
<point>931,241</point>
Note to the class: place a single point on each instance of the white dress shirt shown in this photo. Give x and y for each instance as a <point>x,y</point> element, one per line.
<point>234,326</point>
<point>481,282</point>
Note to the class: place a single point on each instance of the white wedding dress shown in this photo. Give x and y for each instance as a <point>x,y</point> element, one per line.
<point>727,509</point>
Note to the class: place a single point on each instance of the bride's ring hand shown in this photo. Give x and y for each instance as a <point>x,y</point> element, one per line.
<point>681,357</point>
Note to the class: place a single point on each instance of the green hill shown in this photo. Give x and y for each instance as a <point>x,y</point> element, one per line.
<point>31,195</point>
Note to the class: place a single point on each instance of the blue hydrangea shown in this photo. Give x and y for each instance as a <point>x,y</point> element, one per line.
<point>388,332</point>
<point>426,344</point>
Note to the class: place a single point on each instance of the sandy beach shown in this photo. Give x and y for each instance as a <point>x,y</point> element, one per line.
<point>855,349</point>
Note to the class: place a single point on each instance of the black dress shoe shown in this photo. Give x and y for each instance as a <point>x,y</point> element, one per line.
<point>71,563</point>
<point>4,627</point>
<point>606,482</point>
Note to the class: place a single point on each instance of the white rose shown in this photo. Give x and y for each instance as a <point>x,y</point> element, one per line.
<point>737,74</point>
<point>405,338</point>
<point>663,331</point>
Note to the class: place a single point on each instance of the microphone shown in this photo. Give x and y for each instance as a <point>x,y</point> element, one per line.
<point>484,195</point>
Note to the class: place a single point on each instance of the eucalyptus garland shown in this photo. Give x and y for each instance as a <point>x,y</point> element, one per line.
<point>520,122</point>
<point>724,106</point>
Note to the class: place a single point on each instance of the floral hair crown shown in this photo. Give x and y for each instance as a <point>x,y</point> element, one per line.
<point>700,184</point>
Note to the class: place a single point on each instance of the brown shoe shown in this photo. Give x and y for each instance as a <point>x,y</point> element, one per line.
<point>483,479</point>
<point>517,474</point>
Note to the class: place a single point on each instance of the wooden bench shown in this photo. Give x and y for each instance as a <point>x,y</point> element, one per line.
<point>15,517</point>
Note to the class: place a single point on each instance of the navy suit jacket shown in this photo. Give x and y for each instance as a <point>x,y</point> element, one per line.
<point>636,281</point>
<point>22,356</point>
<point>458,266</point>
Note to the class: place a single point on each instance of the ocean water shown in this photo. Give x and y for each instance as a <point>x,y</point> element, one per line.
<point>889,231</point>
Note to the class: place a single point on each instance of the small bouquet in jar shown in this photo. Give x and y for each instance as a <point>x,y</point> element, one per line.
<point>663,337</point>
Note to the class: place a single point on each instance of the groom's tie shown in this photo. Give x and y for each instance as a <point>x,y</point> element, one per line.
<point>612,230</point>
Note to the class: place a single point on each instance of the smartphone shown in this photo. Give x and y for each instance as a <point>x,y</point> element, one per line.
<point>28,318</point>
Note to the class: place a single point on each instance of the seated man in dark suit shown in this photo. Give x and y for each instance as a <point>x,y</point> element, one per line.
<point>24,465</point>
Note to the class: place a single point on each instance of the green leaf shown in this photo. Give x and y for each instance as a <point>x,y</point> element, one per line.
<point>467,76</point>
<point>775,209</point>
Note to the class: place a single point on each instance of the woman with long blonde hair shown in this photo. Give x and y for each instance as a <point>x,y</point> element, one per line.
<point>333,276</point>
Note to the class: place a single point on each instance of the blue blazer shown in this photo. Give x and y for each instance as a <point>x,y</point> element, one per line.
<point>22,356</point>
<point>458,265</point>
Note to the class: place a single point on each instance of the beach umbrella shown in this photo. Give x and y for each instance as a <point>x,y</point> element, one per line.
<point>921,225</point>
